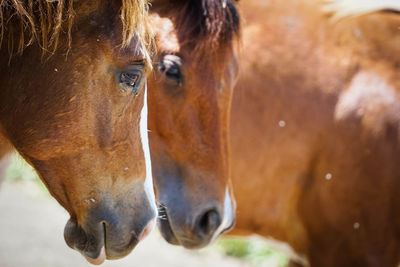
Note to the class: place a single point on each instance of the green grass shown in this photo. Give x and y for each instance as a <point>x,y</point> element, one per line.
<point>254,251</point>
<point>20,171</point>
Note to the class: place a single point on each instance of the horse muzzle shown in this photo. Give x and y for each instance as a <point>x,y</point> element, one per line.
<point>199,231</point>
<point>108,234</point>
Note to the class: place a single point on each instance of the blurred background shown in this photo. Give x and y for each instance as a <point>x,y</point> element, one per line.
<point>32,225</point>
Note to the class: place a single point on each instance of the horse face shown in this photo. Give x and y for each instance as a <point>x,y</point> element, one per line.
<point>81,121</point>
<point>189,122</point>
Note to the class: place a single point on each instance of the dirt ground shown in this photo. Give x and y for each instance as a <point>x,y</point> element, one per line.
<point>31,235</point>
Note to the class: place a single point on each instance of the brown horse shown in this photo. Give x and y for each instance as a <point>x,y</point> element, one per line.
<point>189,100</point>
<point>71,80</point>
<point>315,132</point>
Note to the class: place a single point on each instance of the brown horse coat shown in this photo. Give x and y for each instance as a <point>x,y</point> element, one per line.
<point>315,133</point>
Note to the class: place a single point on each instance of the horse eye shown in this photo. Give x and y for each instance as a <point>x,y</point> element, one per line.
<point>130,82</point>
<point>171,70</point>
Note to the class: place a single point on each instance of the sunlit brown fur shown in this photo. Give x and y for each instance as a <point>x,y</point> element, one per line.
<point>315,132</point>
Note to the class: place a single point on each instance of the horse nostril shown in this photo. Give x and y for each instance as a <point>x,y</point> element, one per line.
<point>207,223</point>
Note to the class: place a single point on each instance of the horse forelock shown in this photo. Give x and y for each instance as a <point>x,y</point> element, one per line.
<point>134,16</point>
<point>24,22</point>
<point>209,23</point>
<point>353,8</point>
<point>206,25</point>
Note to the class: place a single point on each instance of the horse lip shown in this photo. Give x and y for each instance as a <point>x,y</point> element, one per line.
<point>165,226</point>
<point>118,253</point>
<point>99,260</point>
<point>89,241</point>
<point>77,239</point>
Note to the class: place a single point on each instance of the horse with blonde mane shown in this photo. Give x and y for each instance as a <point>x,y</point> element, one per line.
<point>72,77</point>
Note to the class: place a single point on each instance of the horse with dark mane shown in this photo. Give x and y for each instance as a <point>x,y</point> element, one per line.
<point>189,96</point>
<point>314,131</point>
<point>72,77</point>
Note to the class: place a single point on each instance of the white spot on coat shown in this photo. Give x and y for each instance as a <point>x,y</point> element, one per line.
<point>328,176</point>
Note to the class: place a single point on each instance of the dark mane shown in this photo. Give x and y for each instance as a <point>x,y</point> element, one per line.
<point>204,24</point>
<point>23,22</point>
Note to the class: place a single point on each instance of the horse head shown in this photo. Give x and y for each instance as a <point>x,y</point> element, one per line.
<point>189,96</point>
<point>68,114</point>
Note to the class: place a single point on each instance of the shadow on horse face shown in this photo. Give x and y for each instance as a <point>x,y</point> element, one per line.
<point>189,120</point>
<point>69,117</point>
